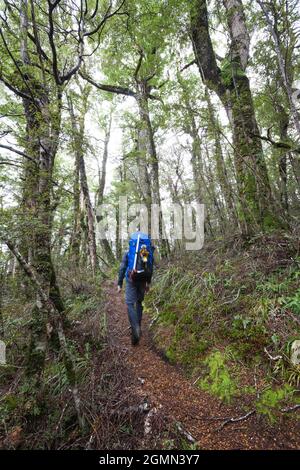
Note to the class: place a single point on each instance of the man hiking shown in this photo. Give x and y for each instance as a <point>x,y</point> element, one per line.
<point>137,267</point>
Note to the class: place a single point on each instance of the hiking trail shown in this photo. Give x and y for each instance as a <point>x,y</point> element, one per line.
<point>166,389</point>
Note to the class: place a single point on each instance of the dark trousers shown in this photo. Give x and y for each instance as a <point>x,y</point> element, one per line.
<point>134,295</point>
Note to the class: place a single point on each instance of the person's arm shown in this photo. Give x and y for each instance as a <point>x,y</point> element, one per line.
<point>122,270</point>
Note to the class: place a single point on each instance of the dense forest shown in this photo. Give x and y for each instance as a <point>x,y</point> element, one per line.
<point>112,109</point>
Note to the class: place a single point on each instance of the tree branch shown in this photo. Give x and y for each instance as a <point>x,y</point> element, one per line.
<point>279,144</point>
<point>110,88</point>
<point>139,64</point>
<point>51,7</point>
<point>18,152</point>
<point>95,10</point>
<point>12,88</point>
<point>188,65</point>
<point>106,17</point>
<point>203,48</point>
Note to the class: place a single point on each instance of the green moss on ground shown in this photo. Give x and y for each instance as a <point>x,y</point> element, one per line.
<point>224,312</point>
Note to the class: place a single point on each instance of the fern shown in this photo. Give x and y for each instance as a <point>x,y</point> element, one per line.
<point>219,381</point>
<point>270,401</point>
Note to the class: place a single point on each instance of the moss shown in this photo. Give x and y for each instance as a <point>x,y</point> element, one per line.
<point>219,380</point>
<point>270,401</point>
<point>236,298</point>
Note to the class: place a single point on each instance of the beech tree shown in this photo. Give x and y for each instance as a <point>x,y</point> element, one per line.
<point>230,82</point>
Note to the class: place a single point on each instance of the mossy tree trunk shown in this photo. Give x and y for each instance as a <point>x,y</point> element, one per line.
<point>256,208</point>
<point>42,134</point>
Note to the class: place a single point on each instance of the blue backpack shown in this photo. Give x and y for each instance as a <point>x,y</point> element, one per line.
<point>140,258</point>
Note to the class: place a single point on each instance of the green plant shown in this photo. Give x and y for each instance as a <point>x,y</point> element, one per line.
<point>219,382</point>
<point>270,400</point>
<point>293,375</point>
<point>293,302</point>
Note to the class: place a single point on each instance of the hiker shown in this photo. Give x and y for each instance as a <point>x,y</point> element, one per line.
<point>137,267</point>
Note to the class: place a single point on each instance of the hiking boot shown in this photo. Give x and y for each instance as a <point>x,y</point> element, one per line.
<point>135,337</point>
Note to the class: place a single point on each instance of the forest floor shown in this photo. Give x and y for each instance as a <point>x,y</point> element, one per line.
<point>166,392</point>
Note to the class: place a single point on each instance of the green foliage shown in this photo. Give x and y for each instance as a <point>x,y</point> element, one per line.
<point>219,381</point>
<point>229,71</point>
<point>293,302</point>
<point>270,401</point>
<point>250,330</point>
<point>82,304</point>
<point>201,308</point>
<point>56,377</point>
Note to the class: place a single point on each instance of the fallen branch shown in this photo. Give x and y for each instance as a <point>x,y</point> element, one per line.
<point>147,425</point>
<point>185,433</point>
<point>273,358</point>
<point>142,408</point>
<point>290,314</point>
<point>154,319</point>
<point>291,408</point>
<point>236,420</point>
<point>234,299</point>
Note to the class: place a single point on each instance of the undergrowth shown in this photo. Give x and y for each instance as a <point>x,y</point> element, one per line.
<point>228,311</point>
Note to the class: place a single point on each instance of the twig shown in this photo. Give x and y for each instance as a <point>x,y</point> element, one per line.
<point>156,316</point>
<point>61,416</point>
<point>195,381</point>
<point>234,299</point>
<point>255,384</point>
<point>185,433</point>
<point>290,314</point>
<point>236,420</point>
<point>291,408</point>
<point>273,358</point>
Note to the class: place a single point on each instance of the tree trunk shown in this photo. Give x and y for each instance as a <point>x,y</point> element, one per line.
<point>90,216</point>
<point>222,175</point>
<point>100,192</point>
<point>42,128</point>
<point>76,231</point>
<point>282,164</point>
<point>2,289</point>
<point>233,89</point>
<point>148,153</point>
<point>283,67</point>
<point>48,306</point>
<point>78,146</point>
<point>201,190</point>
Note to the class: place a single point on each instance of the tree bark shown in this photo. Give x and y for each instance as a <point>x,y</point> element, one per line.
<point>233,88</point>
<point>283,68</point>
<point>76,231</point>
<point>148,153</point>
<point>42,133</point>
<point>78,146</point>
<point>214,128</point>
<point>100,192</point>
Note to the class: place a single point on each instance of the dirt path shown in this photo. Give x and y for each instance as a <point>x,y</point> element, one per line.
<point>166,389</point>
